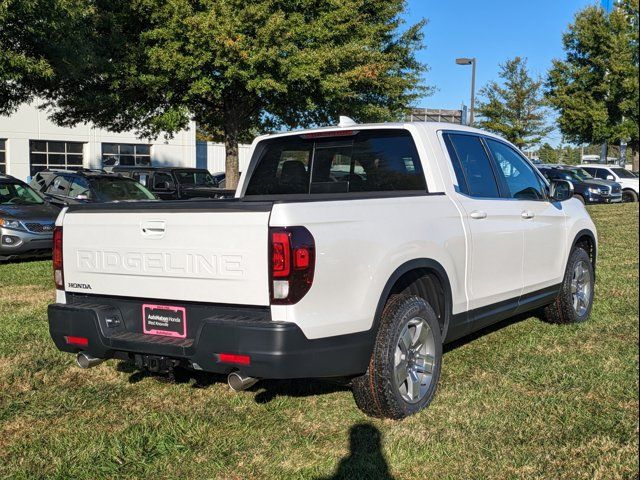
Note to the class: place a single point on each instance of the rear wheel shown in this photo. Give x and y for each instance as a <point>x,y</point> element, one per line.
<point>629,196</point>
<point>575,301</point>
<point>405,365</point>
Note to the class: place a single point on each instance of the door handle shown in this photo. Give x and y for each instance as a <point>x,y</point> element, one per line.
<point>153,228</point>
<point>478,215</point>
<point>528,214</point>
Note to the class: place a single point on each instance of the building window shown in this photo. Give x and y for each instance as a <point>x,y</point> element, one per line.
<point>3,155</point>
<point>128,154</point>
<point>44,154</point>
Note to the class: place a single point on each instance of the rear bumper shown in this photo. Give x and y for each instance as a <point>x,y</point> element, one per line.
<point>276,349</point>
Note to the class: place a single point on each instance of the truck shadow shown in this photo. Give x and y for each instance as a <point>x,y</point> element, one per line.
<point>265,390</point>
<point>365,459</point>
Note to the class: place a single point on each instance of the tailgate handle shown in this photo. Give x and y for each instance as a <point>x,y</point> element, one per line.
<point>153,228</point>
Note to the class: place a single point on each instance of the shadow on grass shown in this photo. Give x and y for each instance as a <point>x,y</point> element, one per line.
<point>267,390</point>
<point>365,459</point>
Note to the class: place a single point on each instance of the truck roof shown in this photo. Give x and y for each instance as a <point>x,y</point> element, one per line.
<point>428,127</point>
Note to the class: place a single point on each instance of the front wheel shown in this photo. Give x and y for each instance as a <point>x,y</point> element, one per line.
<point>575,300</point>
<point>629,196</point>
<point>405,364</point>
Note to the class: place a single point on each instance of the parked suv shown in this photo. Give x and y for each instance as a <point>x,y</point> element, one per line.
<point>176,183</point>
<point>26,221</point>
<point>347,252</point>
<point>69,187</point>
<point>624,177</point>
<point>587,189</point>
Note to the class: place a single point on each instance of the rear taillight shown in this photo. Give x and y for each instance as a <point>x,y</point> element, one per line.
<point>58,272</point>
<point>292,255</point>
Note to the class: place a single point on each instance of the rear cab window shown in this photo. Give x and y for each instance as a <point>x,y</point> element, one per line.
<point>342,162</point>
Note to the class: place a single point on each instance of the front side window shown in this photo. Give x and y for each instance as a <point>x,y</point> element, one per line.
<point>45,154</point>
<point>472,166</point>
<point>18,194</point>
<point>127,154</point>
<point>162,181</point>
<point>602,173</point>
<point>348,162</point>
<point>519,177</point>
<point>197,178</point>
<point>3,155</point>
<point>80,188</point>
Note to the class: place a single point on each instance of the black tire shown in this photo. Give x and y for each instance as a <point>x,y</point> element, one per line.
<point>581,198</point>
<point>377,392</point>
<point>562,311</point>
<point>629,196</point>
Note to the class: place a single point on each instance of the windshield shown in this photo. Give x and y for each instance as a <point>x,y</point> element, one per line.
<point>199,178</point>
<point>581,174</point>
<point>622,173</point>
<point>111,189</point>
<point>18,194</point>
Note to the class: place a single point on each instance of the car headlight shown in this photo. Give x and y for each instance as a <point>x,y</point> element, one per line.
<point>595,191</point>
<point>8,223</point>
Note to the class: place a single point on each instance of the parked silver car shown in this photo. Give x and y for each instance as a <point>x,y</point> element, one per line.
<point>26,221</point>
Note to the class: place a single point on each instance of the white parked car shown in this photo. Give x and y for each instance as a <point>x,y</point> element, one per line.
<point>348,252</point>
<point>624,177</point>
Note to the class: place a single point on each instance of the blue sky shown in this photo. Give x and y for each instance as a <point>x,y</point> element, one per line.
<point>492,31</point>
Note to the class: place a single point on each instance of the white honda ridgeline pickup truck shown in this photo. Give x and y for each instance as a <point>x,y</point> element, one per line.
<point>352,251</point>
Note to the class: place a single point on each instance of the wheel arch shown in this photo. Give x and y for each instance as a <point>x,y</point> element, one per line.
<point>587,240</point>
<point>424,277</point>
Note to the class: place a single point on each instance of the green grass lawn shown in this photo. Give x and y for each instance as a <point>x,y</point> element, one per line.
<point>528,400</point>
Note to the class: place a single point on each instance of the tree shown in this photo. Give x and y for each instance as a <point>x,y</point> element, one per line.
<point>547,154</point>
<point>235,67</point>
<point>595,87</point>
<point>514,109</point>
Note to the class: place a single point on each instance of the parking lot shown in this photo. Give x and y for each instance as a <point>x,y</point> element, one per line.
<point>523,400</point>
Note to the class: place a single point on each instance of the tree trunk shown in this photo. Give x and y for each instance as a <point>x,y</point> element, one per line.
<point>231,135</point>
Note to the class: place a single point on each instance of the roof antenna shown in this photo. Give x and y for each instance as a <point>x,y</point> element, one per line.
<point>346,121</point>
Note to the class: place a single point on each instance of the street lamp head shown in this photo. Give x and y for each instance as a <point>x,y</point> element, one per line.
<point>464,61</point>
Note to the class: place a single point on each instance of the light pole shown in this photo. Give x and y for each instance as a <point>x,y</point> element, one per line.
<point>472,62</point>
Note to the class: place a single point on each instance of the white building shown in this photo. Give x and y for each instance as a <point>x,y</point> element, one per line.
<point>30,142</point>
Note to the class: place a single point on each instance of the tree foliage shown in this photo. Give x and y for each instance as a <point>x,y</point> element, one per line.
<point>514,108</point>
<point>595,87</point>
<point>233,66</point>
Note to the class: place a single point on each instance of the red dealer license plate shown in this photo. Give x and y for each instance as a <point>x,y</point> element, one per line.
<point>166,320</point>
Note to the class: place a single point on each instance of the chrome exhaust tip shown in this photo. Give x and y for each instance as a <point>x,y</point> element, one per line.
<point>238,381</point>
<point>84,360</point>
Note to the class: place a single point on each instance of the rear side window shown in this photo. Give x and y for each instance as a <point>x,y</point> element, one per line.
<point>359,161</point>
<point>473,169</point>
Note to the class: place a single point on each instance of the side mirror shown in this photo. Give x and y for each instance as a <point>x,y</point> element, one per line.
<point>168,186</point>
<point>610,177</point>
<point>561,190</point>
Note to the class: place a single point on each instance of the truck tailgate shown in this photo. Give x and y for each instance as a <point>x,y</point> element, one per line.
<point>213,251</point>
